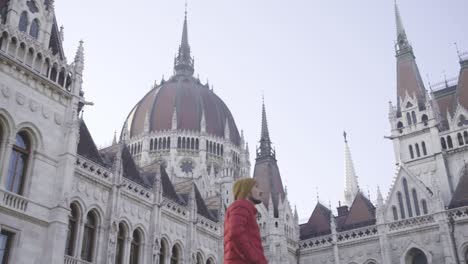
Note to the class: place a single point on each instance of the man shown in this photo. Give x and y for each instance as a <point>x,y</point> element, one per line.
<point>242,242</point>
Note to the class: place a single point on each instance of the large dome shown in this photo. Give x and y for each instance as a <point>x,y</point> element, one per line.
<point>190,100</point>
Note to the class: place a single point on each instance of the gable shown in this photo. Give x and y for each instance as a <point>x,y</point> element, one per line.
<point>318,224</point>
<point>361,213</point>
<point>460,196</point>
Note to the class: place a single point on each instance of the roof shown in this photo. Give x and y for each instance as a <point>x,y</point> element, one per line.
<point>446,101</point>
<point>267,175</point>
<point>168,189</point>
<point>130,170</point>
<point>318,224</point>
<point>409,79</point>
<point>86,146</point>
<point>361,213</point>
<point>460,196</point>
<point>190,100</point>
<point>462,88</point>
<point>202,209</point>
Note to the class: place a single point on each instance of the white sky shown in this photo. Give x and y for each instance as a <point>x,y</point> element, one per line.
<point>323,65</point>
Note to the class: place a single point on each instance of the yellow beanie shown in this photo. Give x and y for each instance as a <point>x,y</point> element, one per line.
<point>243,187</point>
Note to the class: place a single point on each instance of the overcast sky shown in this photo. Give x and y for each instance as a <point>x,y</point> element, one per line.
<point>323,65</point>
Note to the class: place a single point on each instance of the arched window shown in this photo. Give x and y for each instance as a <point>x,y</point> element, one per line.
<point>222,150</point>
<point>407,197</point>
<point>424,150</point>
<point>73,220</point>
<point>168,143</point>
<point>443,143</point>
<point>34,29</point>
<point>210,261</point>
<point>400,204</point>
<point>163,252</point>
<point>424,206</point>
<point>135,247</point>
<point>395,213</point>
<point>192,143</point>
<point>151,144</point>
<point>197,143</point>
<point>400,127</point>
<point>408,118</point>
<point>460,139</point>
<point>155,144</point>
<point>23,22</point>
<point>120,247</point>
<point>89,237</point>
<point>466,255</point>
<point>217,150</point>
<point>465,136</point>
<point>416,202</point>
<point>179,142</point>
<point>413,115</point>
<point>183,143</point>
<point>175,256</point>
<point>416,256</point>
<point>199,258</point>
<point>418,153</point>
<point>449,142</point>
<point>18,164</point>
<point>160,143</point>
<point>164,143</point>
<point>424,119</point>
<point>411,151</point>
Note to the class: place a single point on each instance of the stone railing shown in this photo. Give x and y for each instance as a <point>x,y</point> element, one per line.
<point>90,167</point>
<point>29,52</point>
<point>458,213</point>
<point>316,242</point>
<point>15,201</point>
<point>136,189</point>
<point>356,234</point>
<point>207,223</point>
<point>420,221</point>
<point>72,260</point>
<point>174,207</point>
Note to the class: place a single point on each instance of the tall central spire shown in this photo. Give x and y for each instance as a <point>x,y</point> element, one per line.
<point>183,63</point>
<point>402,40</point>
<point>265,142</point>
<point>351,182</point>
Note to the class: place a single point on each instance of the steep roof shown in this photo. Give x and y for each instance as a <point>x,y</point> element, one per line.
<point>86,146</point>
<point>202,209</point>
<point>462,87</point>
<point>318,224</point>
<point>168,189</point>
<point>361,213</point>
<point>446,102</point>
<point>460,196</point>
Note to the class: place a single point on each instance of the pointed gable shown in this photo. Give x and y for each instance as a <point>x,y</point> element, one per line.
<point>130,170</point>
<point>202,209</point>
<point>361,213</point>
<point>168,189</point>
<point>267,175</point>
<point>318,224</point>
<point>446,101</point>
<point>460,196</point>
<point>409,80</point>
<point>86,146</point>
<point>55,42</point>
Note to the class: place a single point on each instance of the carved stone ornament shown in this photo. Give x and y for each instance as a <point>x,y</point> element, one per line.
<point>45,112</point>
<point>20,98</point>
<point>58,119</point>
<point>6,91</point>
<point>33,106</point>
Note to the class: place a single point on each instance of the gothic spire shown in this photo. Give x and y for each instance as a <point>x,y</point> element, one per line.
<point>351,181</point>
<point>402,40</point>
<point>265,142</point>
<point>183,64</point>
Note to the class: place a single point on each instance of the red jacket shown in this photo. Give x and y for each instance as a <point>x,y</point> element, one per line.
<point>242,242</point>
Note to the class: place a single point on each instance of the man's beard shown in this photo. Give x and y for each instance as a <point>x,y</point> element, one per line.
<point>255,201</point>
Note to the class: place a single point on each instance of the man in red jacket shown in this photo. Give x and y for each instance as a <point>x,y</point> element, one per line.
<point>242,242</point>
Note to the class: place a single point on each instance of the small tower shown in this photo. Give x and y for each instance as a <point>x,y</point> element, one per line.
<point>351,181</point>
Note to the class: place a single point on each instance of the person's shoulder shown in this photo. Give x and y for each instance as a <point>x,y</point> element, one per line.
<point>241,203</point>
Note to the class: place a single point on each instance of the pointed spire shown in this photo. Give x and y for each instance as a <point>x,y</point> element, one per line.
<point>351,182</point>
<point>184,64</point>
<point>174,119</point>
<point>79,58</point>
<point>265,142</point>
<point>114,140</point>
<point>380,200</point>
<point>402,40</point>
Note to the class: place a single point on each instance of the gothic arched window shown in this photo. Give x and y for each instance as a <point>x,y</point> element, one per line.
<point>449,142</point>
<point>210,261</point>
<point>135,247</point>
<point>424,150</point>
<point>443,143</point>
<point>408,118</point>
<point>192,143</point>
<point>416,202</point>
<point>163,252</point>
<point>465,136</point>
<point>160,143</point>
<point>460,139</point>
<point>183,143</point>
<point>413,115</point>
<point>199,258</point>
<point>418,153</point>
<point>34,29</point>
<point>120,247</point>
<point>179,142</point>
<point>164,143</point>
<point>400,127</point>
<point>407,197</point>
<point>424,119</point>
<point>175,257</point>
<point>395,213</point>
<point>424,206</point>
<point>197,143</point>
<point>400,204</point>
<point>411,151</point>
<point>416,256</point>
<point>168,146</point>
<point>89,237</point>
<point>23,22</point>
<point>18,164</point>
<point>73,221</point>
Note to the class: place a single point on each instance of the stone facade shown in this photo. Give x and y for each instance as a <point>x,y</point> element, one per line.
<point>136,202</point>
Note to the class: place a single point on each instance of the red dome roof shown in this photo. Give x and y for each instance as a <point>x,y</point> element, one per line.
<point>190,99</point>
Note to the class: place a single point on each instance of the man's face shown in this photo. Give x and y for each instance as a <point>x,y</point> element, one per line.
<point>256,194</point>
